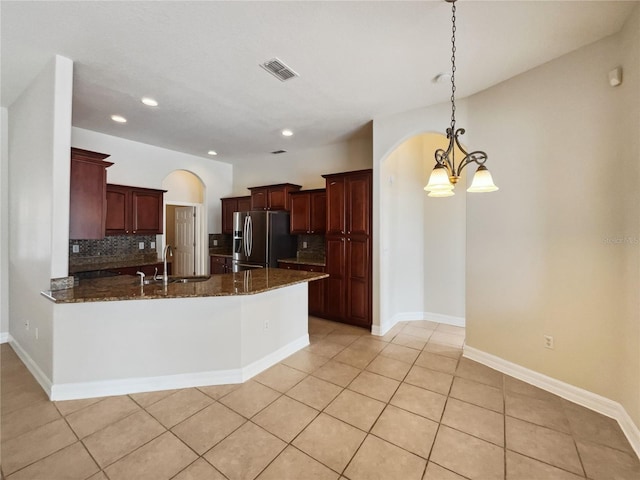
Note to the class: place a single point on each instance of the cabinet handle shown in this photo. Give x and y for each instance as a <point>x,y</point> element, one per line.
<point>126,231</point>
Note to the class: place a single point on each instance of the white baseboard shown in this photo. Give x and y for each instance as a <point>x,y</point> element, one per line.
<point>4,337</point>
<point>105,388</point>
<point>31,365</point>
<point>587,399</point>
<point>381,330</point>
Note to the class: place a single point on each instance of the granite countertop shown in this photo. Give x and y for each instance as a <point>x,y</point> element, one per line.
<point>87,264</point>
<point>126,287</point>
<point>318,262</point>
<point>226,255</point>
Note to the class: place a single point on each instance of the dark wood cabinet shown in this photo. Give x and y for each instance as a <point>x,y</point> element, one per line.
<point>148,270</point>
<point>317,288</point>
<point>308,212</point>
<point>272,197</point>
<point>230,205</point>
<point>220,265</point>
<point>87,194</point>
<point>348,247</point>
<point>134,210</point>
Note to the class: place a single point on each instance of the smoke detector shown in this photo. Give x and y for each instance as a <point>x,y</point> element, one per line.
<point>279,69</point>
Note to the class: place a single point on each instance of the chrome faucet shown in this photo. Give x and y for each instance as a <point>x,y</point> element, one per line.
<point>167,251</point>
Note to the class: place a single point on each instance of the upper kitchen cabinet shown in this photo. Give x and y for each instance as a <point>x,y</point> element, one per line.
<point>349,203</point>
<point>308,212</point>
<point>231,205</point>
<point>134,210</point>
<point>87,194</point>
<point>272,197</point>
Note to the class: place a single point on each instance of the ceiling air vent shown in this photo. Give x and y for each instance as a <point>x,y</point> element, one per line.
<point>278,152</point>
<point>278,69</point>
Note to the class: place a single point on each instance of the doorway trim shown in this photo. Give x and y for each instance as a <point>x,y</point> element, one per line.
<point>201,237</point>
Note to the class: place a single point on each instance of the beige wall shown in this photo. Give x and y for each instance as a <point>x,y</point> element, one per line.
<point>543,256</point>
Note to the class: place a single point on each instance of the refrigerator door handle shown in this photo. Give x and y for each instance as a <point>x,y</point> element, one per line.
<point>250,237</point>
<point>245,238</point>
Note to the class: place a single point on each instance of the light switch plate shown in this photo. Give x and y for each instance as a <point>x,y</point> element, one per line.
<point>153,244</point>
<point>76,248</point>
<point>215,242</point>
<point>141,245</point>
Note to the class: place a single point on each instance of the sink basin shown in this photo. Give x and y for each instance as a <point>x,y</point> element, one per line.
<point>196,278</point>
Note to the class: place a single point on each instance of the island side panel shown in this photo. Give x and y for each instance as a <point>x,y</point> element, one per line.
<point>274,327</point>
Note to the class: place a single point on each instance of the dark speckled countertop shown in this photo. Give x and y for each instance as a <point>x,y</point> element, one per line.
<point>125,287</point>
<point>319,262</point>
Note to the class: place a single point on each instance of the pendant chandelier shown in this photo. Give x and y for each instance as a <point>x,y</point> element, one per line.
<point>446,174</point>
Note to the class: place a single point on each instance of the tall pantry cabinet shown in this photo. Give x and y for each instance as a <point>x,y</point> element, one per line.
<point>348,247</point>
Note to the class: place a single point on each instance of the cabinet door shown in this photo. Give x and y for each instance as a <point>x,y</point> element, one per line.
<point>244,205</point>
<point>217,265</point>
<point>278,198</point>
<point>336,283</point>
<point>335,207</point>
<point>318,217</point>
<point>358,267</point>
<point>87,196</point>
<point>300,204</point>
<point>229,206</point>
<point>259,199</point>
<point>118,212</point>
<point>358,204</point>
<point>147,212</point>
<point>316,291</point>
<point>288,266</point>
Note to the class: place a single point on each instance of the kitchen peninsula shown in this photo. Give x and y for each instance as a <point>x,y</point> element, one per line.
<point>114,336</point>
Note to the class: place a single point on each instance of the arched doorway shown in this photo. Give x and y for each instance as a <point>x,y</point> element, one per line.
<point>184,217</point>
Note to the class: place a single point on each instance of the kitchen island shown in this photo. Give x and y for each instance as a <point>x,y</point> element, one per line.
<point>113,336</point>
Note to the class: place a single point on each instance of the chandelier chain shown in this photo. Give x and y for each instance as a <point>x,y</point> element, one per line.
<point>453,67</point>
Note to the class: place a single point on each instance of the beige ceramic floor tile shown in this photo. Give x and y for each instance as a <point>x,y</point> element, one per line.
<point>250,398</point>
<point>548,412</point>
<point>325,348</point>
<point>245,453</point>
<point>474,420</point>
<point>440,349</point>
<point>520,467</point>
<point>418,400</point>
<point>543,444</point>
<point>594,427</point>
<point>35,445</point>
<point>218,391</point>
<point>345,339</point>
<point>67,407</point>
<point>479,373</point>
<point>355,409</point>
<point>121,438</point>
<point>330,441</point>
<point>436,472</point>
<point>292,464</point>
<point>176,407</point>
<point>146,399</point>
<point>97,416</point>
<point>406,430</point>
<point>374,386</point>
<point>314,392</point>
<point>368,343</point>
<point>208,427</point>
<point>21,396</point>
<point>409,341</point>
<point>444,338</point>
<point>437,362</point>
<point>514,385</point>
<point>426,324</point>
<point>28,418</point>
<point>478,394</point>
<point>467,455</point>
<point>72,462</point>
<point>356,357</point>
<point>450,329</point>
<point>338,373</point>
<point>389,367</point>
<point>280,377</point>
<point>380,460</point>
<point>421,333</point>
<point>305,361</point>
<point>430,379</point>
<point>605,463</point>
<point>199,470</point>
<point>399,352</point>
<point>159,459</point>
<point>285,418</point>
<point>98,476</point>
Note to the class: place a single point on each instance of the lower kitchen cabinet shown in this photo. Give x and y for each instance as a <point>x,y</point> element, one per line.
<point>219,264</point>
<point>317,288</point>
<point>148,270</point>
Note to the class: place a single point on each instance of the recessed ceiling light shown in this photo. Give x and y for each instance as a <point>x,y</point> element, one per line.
<point>212,152</point>
<point>286,132</point>
<point>150,102</point>
<point>118,118</point>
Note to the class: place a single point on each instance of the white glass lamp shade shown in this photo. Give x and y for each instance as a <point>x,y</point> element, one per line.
<point>441,193</point>
<point>482,181</point>
<point>439,181</point>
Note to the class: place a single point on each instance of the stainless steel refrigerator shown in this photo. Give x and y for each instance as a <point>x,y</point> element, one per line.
<point>261,238</point>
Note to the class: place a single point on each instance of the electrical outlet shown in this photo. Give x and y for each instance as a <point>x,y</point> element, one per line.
<point>153,244</point>
<point>548,342</point>
<point>141,245</point>
<point>76,248</point>
<point>266,324</point>
<point>215,242</point>
<point>304,244</point>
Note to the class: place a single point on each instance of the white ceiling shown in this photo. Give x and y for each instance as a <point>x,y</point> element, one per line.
<point>356,60</point>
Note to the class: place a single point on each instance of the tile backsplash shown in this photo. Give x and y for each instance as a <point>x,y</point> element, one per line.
<point>315,247</point>
<point>115,245</point>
